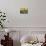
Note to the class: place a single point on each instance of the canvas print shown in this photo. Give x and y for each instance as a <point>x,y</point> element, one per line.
<point>23,10</point>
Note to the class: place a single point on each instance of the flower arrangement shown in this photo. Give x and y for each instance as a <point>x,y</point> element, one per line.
<point>2,19</point>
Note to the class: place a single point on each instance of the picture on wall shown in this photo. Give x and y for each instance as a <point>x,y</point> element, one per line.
<point>23,10</point>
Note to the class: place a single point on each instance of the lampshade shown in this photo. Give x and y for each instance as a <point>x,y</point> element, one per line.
<point>7,30</point>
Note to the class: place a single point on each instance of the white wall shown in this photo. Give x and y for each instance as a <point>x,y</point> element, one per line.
<point>35,18</point>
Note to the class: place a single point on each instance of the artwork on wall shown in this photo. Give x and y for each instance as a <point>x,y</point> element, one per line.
<point>23,10</point>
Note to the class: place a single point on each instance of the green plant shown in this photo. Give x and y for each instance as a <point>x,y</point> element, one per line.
<point>2,19</point>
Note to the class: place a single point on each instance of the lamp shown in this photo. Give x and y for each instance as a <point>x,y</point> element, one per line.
<point>7,31</point>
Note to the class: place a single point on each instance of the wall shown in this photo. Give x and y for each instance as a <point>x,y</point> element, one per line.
<point>35,18</point>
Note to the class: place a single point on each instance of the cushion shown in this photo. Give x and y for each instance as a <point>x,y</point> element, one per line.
<point>26,39</point>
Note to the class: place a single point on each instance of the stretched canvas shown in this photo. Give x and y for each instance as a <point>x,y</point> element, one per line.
<point>23,10</point>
